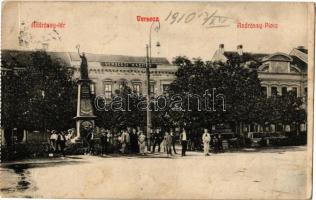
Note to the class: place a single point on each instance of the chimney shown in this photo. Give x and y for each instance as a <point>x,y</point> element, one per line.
<point>221,49</point>
<point>239,50</point>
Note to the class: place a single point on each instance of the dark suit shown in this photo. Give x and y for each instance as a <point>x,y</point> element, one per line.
<point>103,142</point>
<point>184,142</point>
<point>173,136</point>
<point>134,142</point>
<point>157,137</point>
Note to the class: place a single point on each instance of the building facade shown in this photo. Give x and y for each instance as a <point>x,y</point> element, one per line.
<point>278,73</point>
<point>109,72</point>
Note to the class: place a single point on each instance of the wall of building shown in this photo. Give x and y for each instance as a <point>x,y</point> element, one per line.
<point>281,80</point>
<point>114,76</point>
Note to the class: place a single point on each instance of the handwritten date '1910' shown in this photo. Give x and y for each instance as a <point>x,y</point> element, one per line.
<point>207,19</point>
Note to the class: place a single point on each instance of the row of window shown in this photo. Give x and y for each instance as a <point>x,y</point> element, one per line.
<point>279,127</point>
<point>284,90</point>
<point>136,87</point>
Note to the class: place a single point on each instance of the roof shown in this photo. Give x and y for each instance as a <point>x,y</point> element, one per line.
<point>118,58</point>
<point>303,50</point>
<point>278,57</point>
<point>246,56</point>
<point>298,62</point>
<point>300,54</point>
<point>22,57</point>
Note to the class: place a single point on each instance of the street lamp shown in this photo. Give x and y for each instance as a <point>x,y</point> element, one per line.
<point>148,64</point>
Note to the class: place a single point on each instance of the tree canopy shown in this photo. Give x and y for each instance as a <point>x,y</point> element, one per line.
<point>233,89</point>
<point>39,96</point>
<point>240,88</point>
<point>122,110</point>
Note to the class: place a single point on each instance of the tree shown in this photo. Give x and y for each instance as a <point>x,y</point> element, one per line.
<point>244,102</point>
<point>123,110</point>
<point>40,96</point>
<point>239,86</point>
<point>286,110</point>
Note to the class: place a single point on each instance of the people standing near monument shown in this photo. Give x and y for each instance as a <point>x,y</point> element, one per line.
<point>53,140</point>
<point>89,138</point>
<point>124,141</point>
<point>128,144</point>
<point>154,139</point>
<point>157,137</point>
<point>174,139</point>
<point>109,141</point>
<point>134,141</point>
<point>206,138</point>
<point>184,141</point>
<point>168,143</point>
<point>70,134</point>
<point>61,142</point>
<point>142,143</point>
<point>220,143</point>
<point>215,143</point>
<point>116,141</point>
<point>103,139</point>
<point>163,143</point>
<point>139,130</point>
<point>150,140</point>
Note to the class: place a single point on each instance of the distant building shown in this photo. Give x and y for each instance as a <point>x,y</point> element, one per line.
<point>108,72</point>
<point>278,72</point>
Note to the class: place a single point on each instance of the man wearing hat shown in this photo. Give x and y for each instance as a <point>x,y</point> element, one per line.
<point>184,142</point>
<point>174,139</point>
<point>53,140</point>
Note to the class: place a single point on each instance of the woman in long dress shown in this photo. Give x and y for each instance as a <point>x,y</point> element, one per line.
<point>141,143</point>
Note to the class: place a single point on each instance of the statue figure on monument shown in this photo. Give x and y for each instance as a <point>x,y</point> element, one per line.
<point>84,117</point>
<point>83,65</point>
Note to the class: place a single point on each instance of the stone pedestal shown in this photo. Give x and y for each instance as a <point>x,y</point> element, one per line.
<point>84,117</point>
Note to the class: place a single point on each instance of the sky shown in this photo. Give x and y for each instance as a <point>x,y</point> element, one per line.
<point>112,27</point>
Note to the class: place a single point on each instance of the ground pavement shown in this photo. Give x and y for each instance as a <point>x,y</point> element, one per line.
<point>265,174</point>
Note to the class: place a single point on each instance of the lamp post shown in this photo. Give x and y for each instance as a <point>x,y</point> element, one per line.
<point>148,64</point>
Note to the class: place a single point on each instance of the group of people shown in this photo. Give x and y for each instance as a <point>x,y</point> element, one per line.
<point>126,141</point>
<point>57,141</point>
<point>135,141</point>
<point>131,140</point>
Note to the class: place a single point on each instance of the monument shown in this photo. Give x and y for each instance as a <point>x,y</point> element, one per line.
<point>84,117</point>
